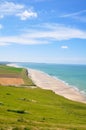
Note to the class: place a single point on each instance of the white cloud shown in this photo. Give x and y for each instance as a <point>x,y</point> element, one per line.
<point>20,40</point>
<point>27,14</point>
<point>80,15</point>
<point>10,8</point>
<point>55,32</point>
<point>4,44</point>
<point>64,47</point>
<point>45,34</point>
<point>74,14</point>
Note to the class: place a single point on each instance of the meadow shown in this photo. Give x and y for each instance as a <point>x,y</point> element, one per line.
<point>28,108</point>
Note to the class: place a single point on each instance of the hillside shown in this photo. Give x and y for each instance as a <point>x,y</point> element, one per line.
<point>26,108</point>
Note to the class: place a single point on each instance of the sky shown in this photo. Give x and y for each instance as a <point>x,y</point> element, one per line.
<point>43,31</point>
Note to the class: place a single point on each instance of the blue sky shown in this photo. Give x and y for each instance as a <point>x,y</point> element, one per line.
<point>48,31</point>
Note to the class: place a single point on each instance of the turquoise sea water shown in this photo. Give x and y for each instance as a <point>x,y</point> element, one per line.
<point>74,75</point>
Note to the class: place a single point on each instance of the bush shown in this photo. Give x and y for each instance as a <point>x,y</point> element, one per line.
<point>17,111</point>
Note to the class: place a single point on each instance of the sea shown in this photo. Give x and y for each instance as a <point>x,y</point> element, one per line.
<point>74,75</point>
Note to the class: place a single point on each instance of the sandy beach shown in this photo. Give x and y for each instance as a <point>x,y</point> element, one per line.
<point>45,81</point>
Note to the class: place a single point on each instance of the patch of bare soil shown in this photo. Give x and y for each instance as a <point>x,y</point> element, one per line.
<point>11,81</point>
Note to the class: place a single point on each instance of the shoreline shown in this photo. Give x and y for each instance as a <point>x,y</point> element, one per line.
<point>59,87</point>
<point>45,81</point>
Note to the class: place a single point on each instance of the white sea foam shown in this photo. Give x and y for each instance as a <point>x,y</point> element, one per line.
<point>71,86</point>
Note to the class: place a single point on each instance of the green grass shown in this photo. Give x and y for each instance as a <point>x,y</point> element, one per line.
<point>6,70</point>
<point>24,108</point>
<point>37,109</point>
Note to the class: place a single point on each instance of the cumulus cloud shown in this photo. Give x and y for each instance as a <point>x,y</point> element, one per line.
<point>45,34</point>
<point>27,14</point>
<point>19,10</point>
<point>10,8</point>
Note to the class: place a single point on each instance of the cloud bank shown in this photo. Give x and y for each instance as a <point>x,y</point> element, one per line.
<point>44,34</point>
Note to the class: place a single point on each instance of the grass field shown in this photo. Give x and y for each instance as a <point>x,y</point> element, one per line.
<point>37,109</point>
<point>12,72</point>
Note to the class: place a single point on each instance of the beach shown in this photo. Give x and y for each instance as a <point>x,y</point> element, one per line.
<point>45,81</point>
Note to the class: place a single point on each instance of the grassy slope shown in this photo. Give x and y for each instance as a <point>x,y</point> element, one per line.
<point>37,109</point>
<point>41,109</point>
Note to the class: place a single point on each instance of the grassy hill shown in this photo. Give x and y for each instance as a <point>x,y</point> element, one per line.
<point>37,109</point>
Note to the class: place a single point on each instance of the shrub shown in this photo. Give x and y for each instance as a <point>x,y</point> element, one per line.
<point>17,111</point>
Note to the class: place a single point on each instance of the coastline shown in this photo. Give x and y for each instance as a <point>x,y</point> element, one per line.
<point>48,82</point>
<point>45,81</point>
